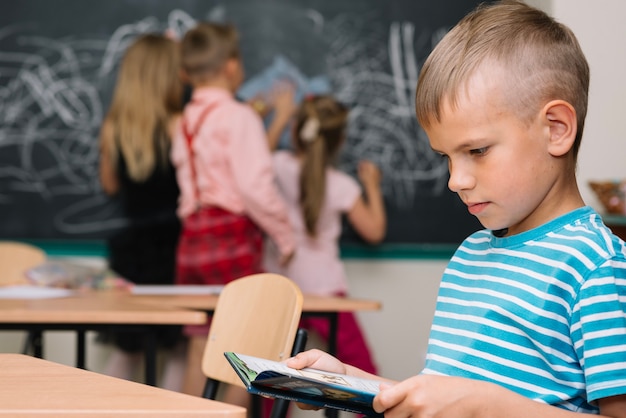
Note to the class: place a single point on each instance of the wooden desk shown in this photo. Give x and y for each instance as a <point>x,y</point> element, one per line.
<point>34,387</point>
<point>95,311</point>
<point>99,310</point>
<point>318,306</point>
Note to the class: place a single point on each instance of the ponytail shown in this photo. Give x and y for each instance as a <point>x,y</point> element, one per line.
<point>320,130</point>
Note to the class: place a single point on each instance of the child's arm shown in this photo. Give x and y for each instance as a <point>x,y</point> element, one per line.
<point>108,177</point>
<point>456,397</point>
<point>449,397</point>
<point>367,216</point>
<point>284,107</point>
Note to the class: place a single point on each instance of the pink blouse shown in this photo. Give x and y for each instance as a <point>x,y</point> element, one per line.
<point>316,266</point>
<point>232,164</point>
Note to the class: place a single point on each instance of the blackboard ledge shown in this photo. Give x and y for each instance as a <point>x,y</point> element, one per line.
<point>398,251</point>
<point>97,248</point>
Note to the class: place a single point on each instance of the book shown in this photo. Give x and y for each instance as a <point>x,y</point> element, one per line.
<point>309,386</point>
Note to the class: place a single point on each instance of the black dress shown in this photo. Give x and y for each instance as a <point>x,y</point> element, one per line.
<point>144,252</point>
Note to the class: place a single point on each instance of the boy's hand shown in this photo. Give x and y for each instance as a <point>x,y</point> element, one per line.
<point>316,359</point>
<point>430,396</point>
<point>285,259</point>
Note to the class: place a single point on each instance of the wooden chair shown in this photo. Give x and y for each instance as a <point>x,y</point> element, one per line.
<point>15,259</point>
<point>256,315</point>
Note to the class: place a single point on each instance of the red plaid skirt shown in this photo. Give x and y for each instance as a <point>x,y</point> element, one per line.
<point>217,247</point>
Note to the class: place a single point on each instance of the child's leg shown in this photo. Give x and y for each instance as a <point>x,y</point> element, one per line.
<point>195,380</point>
<point>122,364</point>
<point>174,369</point>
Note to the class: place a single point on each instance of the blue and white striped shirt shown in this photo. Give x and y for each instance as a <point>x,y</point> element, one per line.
<point>542,313</point>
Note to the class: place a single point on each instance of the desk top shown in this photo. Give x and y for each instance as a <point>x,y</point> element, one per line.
<point>34,387</point>
<point>121,307</point>
<point>310,303</point>
<point>98,307</point>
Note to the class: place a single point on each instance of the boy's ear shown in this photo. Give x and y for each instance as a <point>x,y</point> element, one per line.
<point>561,119</point>
<point>231,66</point>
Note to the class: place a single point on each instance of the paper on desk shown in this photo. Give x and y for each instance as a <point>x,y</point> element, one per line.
<point>33,292</point>
<point>176,289</point>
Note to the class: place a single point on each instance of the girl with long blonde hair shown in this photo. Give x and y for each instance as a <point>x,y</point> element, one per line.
<point>135,143</point>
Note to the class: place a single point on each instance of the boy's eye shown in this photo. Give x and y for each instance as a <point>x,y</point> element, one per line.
<point>479,151</point>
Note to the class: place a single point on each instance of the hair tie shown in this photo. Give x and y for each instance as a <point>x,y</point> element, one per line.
<point>310,130</point>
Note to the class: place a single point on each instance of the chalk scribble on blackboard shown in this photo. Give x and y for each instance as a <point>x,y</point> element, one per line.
<point>54,92</point>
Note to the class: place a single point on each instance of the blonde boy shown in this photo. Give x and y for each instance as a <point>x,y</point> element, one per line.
<point>531,313</point>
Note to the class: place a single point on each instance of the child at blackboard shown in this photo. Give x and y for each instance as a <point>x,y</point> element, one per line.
<point>531,313</point>
<point>224,169</point>
<point>135,143</point>
<point>318,195</point>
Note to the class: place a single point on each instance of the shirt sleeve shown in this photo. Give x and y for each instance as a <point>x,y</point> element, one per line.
<point>254,176</point>
<point>344,191</point>
<point>179,155</point>
<point>599,330</point>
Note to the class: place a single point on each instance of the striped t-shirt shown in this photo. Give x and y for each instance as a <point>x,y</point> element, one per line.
<point>542,313</point>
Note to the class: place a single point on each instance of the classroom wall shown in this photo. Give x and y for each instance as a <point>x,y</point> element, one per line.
<point>407,288</point>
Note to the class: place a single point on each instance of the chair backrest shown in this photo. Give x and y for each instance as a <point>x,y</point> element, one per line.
<point>256,315</point>
<point>15,259</point>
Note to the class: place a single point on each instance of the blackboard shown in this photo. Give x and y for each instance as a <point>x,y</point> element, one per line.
<point>59,59</point>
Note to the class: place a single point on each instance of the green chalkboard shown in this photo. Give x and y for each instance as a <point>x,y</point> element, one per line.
<point>58,61</point>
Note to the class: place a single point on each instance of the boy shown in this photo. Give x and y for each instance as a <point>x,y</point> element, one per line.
<point>228,198</point>
<point>531,312</point>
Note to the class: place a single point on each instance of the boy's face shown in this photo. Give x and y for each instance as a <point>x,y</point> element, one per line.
<point>499,165</point>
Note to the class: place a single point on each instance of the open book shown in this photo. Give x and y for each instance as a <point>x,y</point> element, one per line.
<point>316,387</point>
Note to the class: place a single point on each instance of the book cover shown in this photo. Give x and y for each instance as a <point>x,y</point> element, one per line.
<point>315,387</point>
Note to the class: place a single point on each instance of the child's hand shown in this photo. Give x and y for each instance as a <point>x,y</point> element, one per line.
<point>282,99</point>
<point>369,173</point>
<point>285,259</point>
<point>429,396</point>
<point>316,359</point>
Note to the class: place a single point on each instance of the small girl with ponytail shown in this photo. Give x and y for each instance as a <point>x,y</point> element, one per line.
<point>317,195</point>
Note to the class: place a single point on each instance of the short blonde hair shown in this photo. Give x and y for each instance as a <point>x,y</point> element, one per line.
<point>206,48</point>
<point>541,58</point>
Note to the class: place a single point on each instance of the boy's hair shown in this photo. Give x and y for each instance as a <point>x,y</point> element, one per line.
<point>148,92</point>
<point>541,58</point>
<point>320,128</point>
<point>206,48</point>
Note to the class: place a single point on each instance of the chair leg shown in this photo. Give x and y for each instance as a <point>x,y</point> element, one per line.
<point>256,407</point>
<point>210,389</point>
<point>33,344</point>
<point>280,407</point>
<point>300,341</point>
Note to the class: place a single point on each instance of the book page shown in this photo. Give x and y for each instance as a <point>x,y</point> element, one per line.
<point>355,383</point>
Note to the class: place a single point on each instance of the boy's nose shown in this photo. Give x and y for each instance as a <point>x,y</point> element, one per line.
<point>460,179</point>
